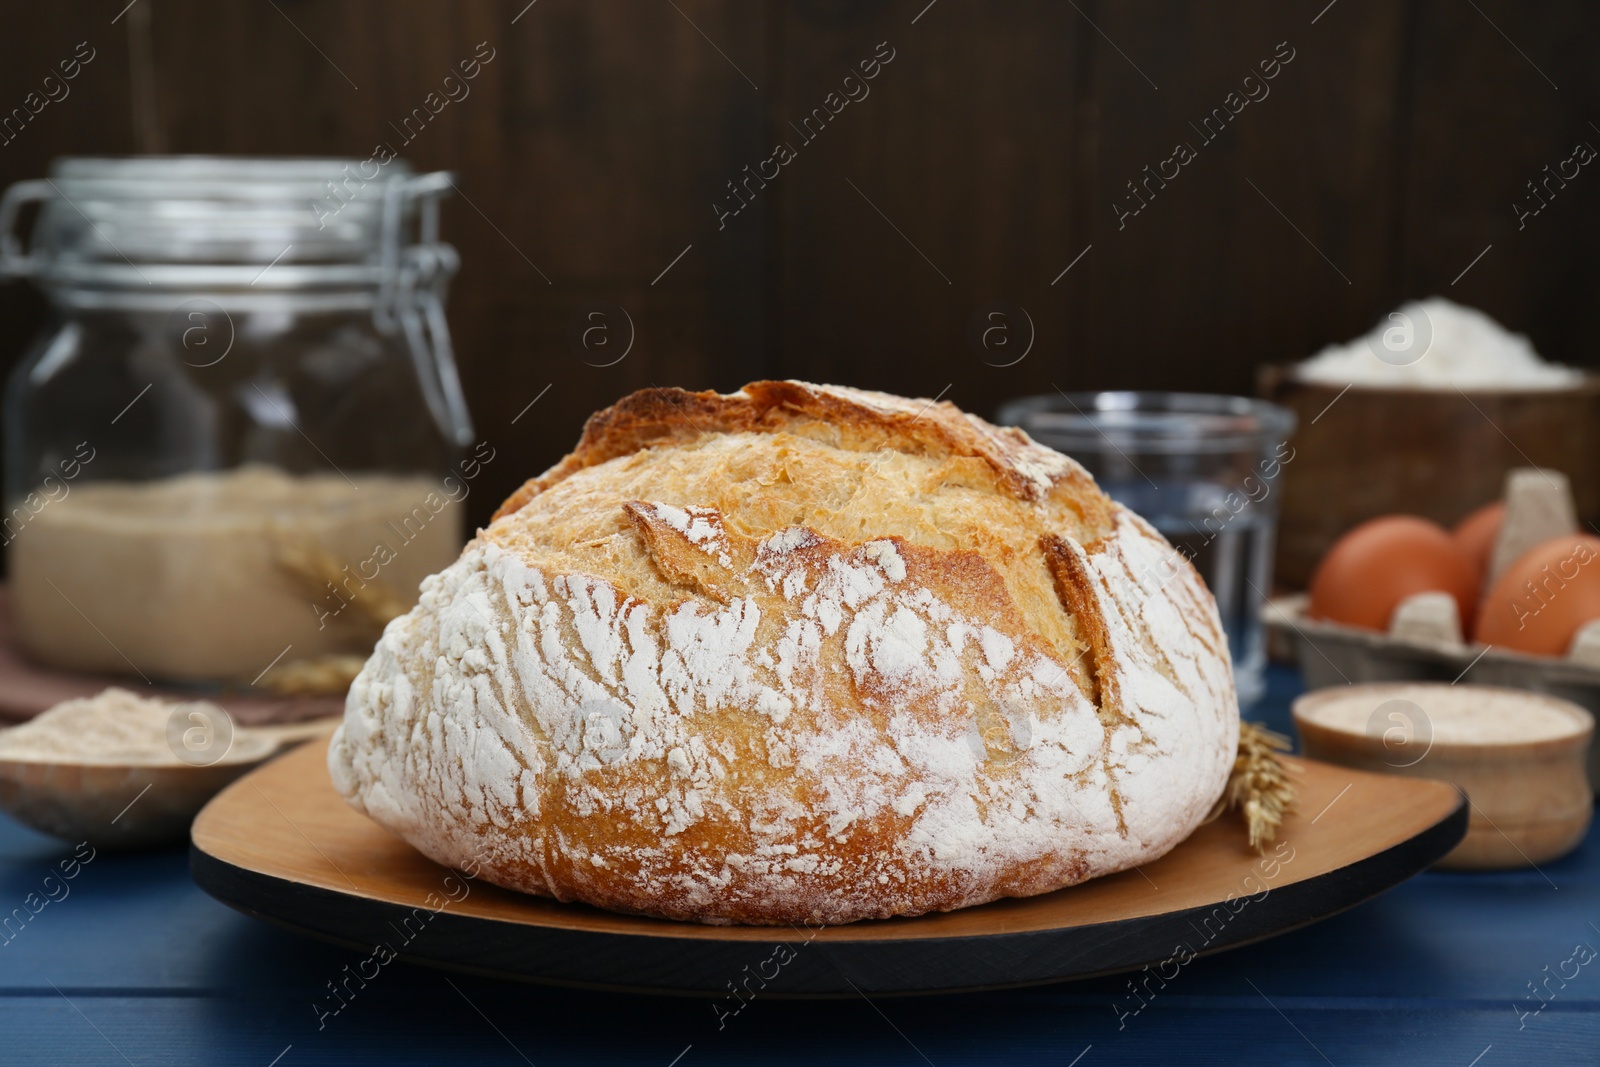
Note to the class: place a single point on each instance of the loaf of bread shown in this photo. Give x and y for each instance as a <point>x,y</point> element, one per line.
<point>798,653</point>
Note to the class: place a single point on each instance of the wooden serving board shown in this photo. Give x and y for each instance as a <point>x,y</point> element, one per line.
<point>281,845</point>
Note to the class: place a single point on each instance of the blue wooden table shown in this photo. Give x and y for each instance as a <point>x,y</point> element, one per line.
<point>129,963</point>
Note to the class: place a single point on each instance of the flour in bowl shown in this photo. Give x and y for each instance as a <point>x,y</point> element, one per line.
<point>1437,344</point>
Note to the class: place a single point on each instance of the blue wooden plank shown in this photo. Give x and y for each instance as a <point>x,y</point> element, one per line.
<point>1437,970</point>
<point>470,1025</point>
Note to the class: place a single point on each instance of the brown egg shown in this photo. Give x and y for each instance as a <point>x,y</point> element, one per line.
<point>1372,568</point>
<point>1475,535</point>
<point>1544,598</point>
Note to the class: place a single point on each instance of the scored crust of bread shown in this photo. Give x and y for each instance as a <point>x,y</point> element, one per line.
<point>798,653</point>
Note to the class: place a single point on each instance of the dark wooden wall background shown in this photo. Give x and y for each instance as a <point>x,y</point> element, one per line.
<point>995,142</point>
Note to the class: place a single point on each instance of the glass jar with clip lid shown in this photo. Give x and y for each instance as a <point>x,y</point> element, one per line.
<point>242,442</point>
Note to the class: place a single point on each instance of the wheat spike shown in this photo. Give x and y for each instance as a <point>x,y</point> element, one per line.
<point>1259,784</point>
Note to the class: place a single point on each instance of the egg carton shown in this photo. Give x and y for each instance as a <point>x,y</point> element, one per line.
<point>1330,654</point>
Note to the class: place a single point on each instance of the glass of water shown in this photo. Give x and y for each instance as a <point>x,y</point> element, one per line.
<point>1204,470</point>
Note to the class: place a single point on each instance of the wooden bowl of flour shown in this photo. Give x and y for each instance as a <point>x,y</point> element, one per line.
<point>1520,757</point>
<point>122,771</point>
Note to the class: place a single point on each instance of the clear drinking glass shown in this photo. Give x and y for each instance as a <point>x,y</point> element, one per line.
<point>1202,469</point>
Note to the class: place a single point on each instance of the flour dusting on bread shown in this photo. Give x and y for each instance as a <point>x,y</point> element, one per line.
<point>798,653</point>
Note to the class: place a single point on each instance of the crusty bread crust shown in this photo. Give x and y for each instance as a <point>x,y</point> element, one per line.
<point>798,653</point>
<point>855,419</point>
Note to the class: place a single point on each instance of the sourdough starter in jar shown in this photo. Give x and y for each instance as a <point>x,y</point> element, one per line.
<point>212,577</point>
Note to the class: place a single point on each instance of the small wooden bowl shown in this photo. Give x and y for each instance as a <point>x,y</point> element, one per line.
<point>114,806</point>
<point>1521,757</point>
<point>123,805</point>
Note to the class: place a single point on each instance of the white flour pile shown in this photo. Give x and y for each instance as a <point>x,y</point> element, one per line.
<point>1460,347</point>
<point>116,727</point>
<point>1468,715</point>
